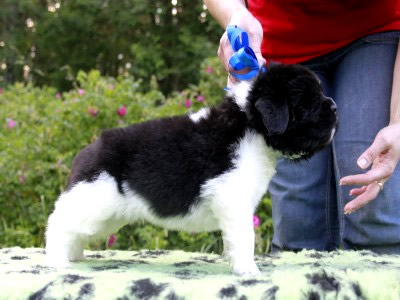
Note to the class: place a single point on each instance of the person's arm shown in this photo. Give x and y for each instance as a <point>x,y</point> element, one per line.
<point>395,101</point>
<point>234,12</point>
<point>383,154</point>
<point>222,10</point>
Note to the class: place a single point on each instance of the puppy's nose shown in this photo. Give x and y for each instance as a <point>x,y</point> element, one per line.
<point>333,104</point>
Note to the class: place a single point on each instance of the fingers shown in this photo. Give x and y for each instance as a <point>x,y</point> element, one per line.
<point>380,145</point>
<point>364,198</point>
<point>381,173</point>
<point>261,60</point>
<point>225,51</point>
<point>358,191</point>
<point>231,80</point>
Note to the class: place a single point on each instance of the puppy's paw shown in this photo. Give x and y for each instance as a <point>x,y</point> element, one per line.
<point>77,257</point>
<point>243,269</point>
<point>58,263</point>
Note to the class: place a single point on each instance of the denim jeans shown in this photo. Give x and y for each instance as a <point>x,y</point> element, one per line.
<point>307,202</point>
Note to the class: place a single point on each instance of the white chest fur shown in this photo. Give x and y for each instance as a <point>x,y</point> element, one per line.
<point>243,186</point>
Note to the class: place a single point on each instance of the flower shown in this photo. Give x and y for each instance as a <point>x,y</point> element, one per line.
<point>92,111</point>
<point>22,179</point>
<point>188,103</point>
<point>122,111</point>
<point>1,91</point>
<point>58,95</point>
<point>200,98</point>
<point>11,123</point>
<point>209,69</point>
<point>81,92</point>
<point>110,86</point>
<point>256,221</point>
<point>111,240</point>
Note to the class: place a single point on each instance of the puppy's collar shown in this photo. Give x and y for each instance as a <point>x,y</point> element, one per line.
<point>244,56</point>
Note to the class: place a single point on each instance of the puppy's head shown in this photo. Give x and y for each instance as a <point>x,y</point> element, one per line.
<point>287,105</point>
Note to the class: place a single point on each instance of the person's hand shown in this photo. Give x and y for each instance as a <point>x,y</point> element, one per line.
<point>383,154</point>
<point>252,26</point>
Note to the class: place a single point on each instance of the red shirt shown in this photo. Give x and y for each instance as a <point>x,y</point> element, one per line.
<point>296,30</point>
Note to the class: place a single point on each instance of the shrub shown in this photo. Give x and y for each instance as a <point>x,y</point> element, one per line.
<point>42,131</point>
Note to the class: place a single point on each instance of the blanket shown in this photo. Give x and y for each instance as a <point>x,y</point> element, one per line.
<point>161,274</point>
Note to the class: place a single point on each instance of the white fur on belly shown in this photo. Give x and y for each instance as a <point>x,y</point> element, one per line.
<point>88,204</point>
<point>199,218</point>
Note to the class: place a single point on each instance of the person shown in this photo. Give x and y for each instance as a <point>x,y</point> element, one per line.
<point>326,202</point>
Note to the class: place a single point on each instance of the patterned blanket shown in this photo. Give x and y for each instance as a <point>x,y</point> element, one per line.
<point>172,275</point>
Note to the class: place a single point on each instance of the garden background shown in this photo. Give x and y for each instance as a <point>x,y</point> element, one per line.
<point>70,68</point>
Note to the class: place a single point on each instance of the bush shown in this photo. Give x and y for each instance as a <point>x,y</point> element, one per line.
<point>43,130</point>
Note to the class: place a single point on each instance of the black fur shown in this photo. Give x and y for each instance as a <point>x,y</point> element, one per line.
<point>167,160</point>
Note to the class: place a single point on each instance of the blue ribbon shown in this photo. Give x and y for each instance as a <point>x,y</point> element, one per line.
<point>244,56</point>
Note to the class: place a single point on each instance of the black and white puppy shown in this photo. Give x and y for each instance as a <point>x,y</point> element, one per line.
<point>205,171</point>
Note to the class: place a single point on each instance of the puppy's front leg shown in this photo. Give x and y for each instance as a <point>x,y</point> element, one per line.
<point>238,235</point>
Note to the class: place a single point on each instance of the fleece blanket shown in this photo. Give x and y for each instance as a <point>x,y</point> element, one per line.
<point>161,274</point>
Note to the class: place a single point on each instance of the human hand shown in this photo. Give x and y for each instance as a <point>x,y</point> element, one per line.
<point>252,26</point>
<point>383,154</point>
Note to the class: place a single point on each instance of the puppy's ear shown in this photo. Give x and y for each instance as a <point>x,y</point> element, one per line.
<point>275,115</point>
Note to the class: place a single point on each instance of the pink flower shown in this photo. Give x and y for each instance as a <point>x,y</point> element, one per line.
<point>209,69</point>
<point>122,111</point>
<point>11,123</point>
<point>200,98</point>
<point>1,91</point>
<point>188,103</point>
<point>22,179</point>
<point>110,86</point>
<point>111,240</point>
<point>92,111</point>
<point>256,221</point>
<point>81,92</point>
<point>58,95</point>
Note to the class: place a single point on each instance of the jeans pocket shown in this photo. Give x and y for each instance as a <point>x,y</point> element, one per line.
<point>387,37</point>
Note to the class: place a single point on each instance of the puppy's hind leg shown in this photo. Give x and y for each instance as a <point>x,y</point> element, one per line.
<point>88,210</point>
<point>63,243</point>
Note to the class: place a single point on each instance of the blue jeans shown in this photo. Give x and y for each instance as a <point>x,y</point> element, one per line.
<point>307,202</point>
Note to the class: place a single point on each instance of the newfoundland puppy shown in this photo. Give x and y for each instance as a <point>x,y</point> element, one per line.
<point>204,171</point>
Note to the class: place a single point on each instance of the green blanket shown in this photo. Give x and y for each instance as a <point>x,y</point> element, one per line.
<point>181,275</point>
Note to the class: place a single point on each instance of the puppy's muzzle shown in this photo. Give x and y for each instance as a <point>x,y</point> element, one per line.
<point>332,103</point>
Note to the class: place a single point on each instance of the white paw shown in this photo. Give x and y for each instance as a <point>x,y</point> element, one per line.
<point>243,269</point>
<point>77,257</point>
<point>58,263</point>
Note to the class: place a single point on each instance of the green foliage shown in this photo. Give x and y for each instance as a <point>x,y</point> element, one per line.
<point>141,38</point>
<point>41,132</point>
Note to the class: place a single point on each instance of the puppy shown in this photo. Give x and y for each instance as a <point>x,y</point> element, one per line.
<point>205,171</point>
